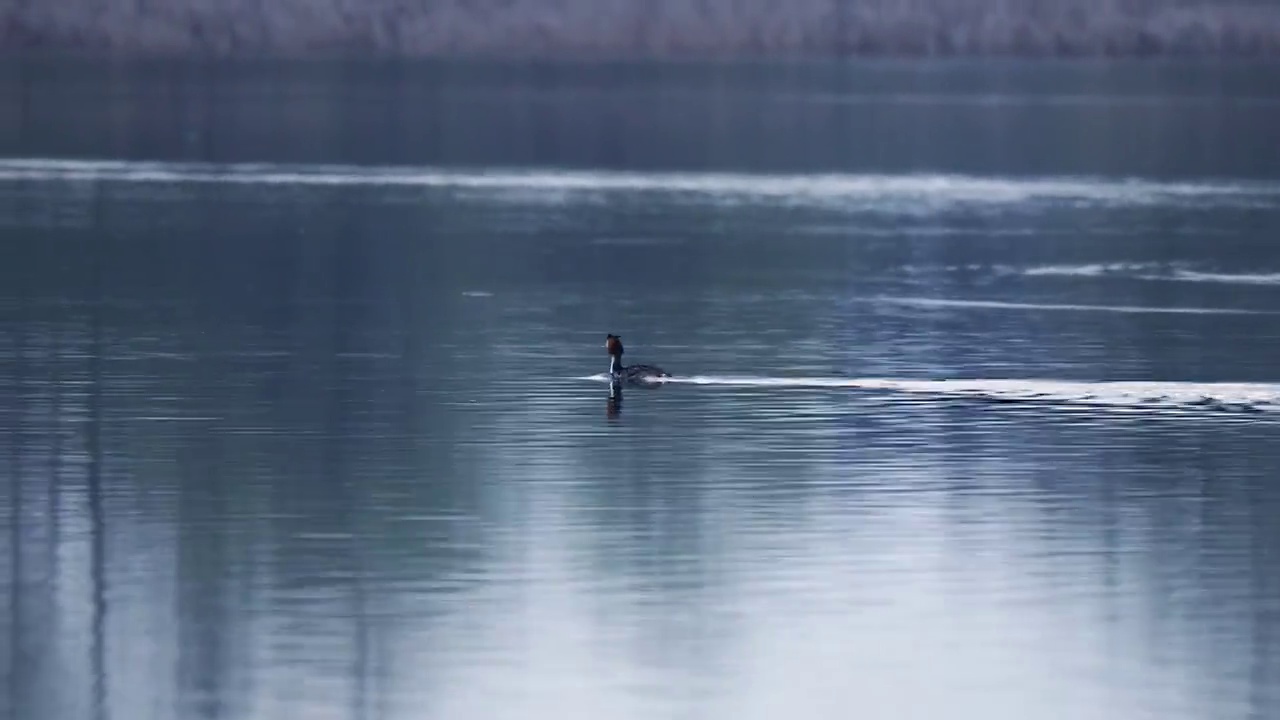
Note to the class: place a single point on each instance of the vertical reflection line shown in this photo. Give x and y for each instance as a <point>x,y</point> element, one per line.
<point>345,319</point>
<point>94,442</point>
<point>1263,688</point>
<point>15,568</point>
<point>362,631</point>
<point>15,577</point>
<point>55,454</point>
<point>18,661</point>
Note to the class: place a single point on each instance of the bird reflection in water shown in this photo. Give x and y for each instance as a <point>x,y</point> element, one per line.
<point>614,408</point>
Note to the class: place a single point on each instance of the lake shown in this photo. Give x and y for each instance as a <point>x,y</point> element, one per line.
<point>975,407</point>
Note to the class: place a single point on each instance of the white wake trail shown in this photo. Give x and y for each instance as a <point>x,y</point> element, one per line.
<point>1256,397</point>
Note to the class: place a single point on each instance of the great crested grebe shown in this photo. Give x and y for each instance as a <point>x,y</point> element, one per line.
<point>629,373</point>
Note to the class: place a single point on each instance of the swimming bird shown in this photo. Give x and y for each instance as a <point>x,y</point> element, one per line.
<point>629,373</point>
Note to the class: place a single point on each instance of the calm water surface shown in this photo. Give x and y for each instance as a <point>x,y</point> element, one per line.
<point>953,433</point>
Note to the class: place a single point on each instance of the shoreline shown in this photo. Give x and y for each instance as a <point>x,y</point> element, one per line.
<point>640,31</point>
<point>113,57</point>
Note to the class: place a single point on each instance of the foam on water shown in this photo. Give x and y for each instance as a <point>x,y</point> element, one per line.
<point>1142,271</point>
<point>915,192</point>
<point>1228,278</point>
<point>924,302</point>
<point>1087,270</point>
<point>1184,396</point>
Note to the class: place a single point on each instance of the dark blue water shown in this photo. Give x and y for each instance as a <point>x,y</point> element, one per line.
<point>985,421</point>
